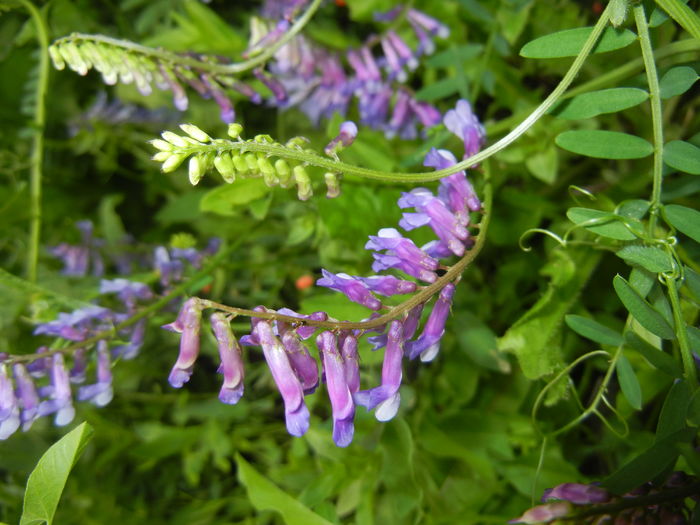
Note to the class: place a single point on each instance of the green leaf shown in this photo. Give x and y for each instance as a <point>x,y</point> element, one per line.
<point>629,384</point>
<point>480,343</point>
<point>568,43</point>
<point>648,257</point>
<point>683,16</point>
<point>674,410</point>
<point>606,224</point>
<point>677,81</point>
<point>692,281</point>
<point>455,55</point>
<point>533,337</point>
<point>593,330</point>
<point>47,480</point>
<point>682,156</point>
<point>656,358</point>
<point>634,208</point>
<point>544,164</point>
<point>685,220</point>
<point>596,103</point>
<point>648,464</point>
<point>440,89</point>
<point>603,144</point>
<point>265,495</point>
<point>641,310</point>
<point>223,200</point>
<point>642,280</point>
<point>110,222</point>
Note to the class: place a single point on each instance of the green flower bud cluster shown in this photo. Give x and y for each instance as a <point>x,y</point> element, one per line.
<point>233,159</point>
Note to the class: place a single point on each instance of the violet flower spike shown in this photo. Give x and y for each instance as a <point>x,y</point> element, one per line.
<point>388,285</point>
<point>231,360</point>
<point>427,345</point>
<point>296,412</point>
<point>188,323</point>
<point>353,288</point>
<point>338,391</point>
<point>100,393</point>
<point>455,190</point>
<point>386,398</point>
<point>402,254</point>
<point>9,409</point>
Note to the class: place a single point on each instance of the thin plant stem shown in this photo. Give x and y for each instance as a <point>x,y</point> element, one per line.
<point>689,370</point>
<point>37,155</point>
<point>656,111</point>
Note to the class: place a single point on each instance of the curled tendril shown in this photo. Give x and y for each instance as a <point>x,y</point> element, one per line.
<point>532,231</point>
<point>576,191</point>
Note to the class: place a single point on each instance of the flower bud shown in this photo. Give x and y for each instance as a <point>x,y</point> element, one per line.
<point>196,169</point>
<point>194,132</point>
<point>224,165</point>
<point>173,162</point>
<point>284,174</point>
<point>268,172</point>
<point>174,139</point>
<point>304,191</point>
<point>239,163</point>
<point>332,185</point>
<point>234,130</point>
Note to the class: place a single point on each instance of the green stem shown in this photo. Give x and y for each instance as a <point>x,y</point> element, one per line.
<point>656,111</point>
<point>217,69</point>
<point>37,154</point>
<point>689,370</point>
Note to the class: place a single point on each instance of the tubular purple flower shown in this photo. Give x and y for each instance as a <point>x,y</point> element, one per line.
<point>346,136</point>
<point>338,391</point>
<point>127,291</point>
<point>188,323</point>
<point>401,253</point>
<point>9,409</point>
<point>348,346</point>
<point>393,61</point>
<point>231,360</point>
<point>303,363</point>
<point>131,349</point>
<point>386,398</point>
<point>303,331</point>
<point>455,190</point>
<point>577,493</point>
<point>433,211</point>
<point>427,345</point>
<point>99,393</point>
<point>272,84</point>
<point>227,113</point>
<point>180,100</point>
<point>353,288</point>
<point>430,24</point>
<point>61,400</point>
<point>169,270</point>
<point>403,50</point>
<point>296,413</point>
<point>77,325</point>
<point>428,114</point>
<point>544,513</point>
<point>462,122</point>
<point>388,285</point>
<point>27,396</point>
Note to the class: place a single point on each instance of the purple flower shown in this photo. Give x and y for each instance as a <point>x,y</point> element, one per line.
<point>61,400</point>
<point>127,291</point>
<point>76,259</point>
<point>303,331</point>
<point>77,325</point>
<point>9,409</point>
<point>577,493</point>
<point>430,24</point>
<point>346,136</point>
<point>338,391</point>
<point>455,190</point>
<point>353,288</point>
<point>296,413</point>
<point>131,349</point>
<point>388,285</point>
<point>433,211</point>
<point>402,254</point>
<point>188,323</point>
<point>348,351</point>
<point>462,122</point>
<point>303,363</point>
<point>544,513</point>
<point>100,393</point>
<point>427,345</point>
<point>170,270</point>
<point>231,361</point>
<point>386,398</point>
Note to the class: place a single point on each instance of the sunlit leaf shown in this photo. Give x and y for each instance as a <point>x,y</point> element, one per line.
<point>603,144</point>
<point>568,43</point>
<point>596,103</point>
<point>47,480</point>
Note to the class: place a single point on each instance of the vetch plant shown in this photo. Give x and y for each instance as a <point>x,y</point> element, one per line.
<point>419,134</point>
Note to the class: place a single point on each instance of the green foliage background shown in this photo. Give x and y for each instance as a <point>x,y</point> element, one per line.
<point>463,448</point>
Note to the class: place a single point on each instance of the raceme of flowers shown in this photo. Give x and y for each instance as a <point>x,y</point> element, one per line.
<point>45,385</point>
<point>301,74</point>
<point>293,367</point>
